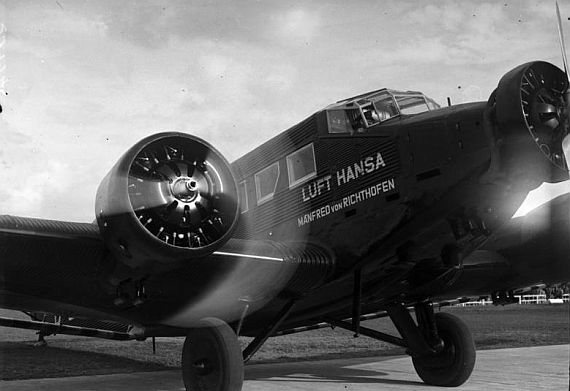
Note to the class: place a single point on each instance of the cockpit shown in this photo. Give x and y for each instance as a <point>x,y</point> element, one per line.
<point>356,114</point>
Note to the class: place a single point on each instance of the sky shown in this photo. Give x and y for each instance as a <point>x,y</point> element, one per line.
<point>82,81</point>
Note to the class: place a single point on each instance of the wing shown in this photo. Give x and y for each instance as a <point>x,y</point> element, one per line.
<point>64,268</point>
<point>51,266</point>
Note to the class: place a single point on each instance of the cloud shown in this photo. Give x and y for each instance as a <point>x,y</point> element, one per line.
<point>36,185</point>
<point>450,15</point>
<point>88,80</point>
<point>81,106</point>
<point>296,25</point>
<point>480,32</point>
<point>10,136</point>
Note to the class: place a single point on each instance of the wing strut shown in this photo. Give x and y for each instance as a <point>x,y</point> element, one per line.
<point>368,332</point>
<point>357,302</point>
<point>258,341</point>
<point>47,328</point>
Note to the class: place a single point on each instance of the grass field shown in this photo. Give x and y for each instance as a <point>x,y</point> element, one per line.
<point>492,327</point>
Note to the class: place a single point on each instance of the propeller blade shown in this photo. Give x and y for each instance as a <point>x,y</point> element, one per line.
<point>562,44</point>
<point>566,150</point>
<point>566,114</point>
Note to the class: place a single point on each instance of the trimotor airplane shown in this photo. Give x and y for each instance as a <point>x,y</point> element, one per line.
<point>378,205</point>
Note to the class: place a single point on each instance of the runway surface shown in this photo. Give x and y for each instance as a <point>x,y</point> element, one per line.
<point>535,368</point>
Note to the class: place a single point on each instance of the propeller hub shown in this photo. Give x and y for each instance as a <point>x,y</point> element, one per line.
<point>185,189</point>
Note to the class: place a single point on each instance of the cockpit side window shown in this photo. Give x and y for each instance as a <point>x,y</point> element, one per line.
<point>343,120</point>
<point>412,104</point>
<point>301,165</point>
<point>355,120</point>
<point>356,115</point>
<point>385,106</point>
<point>432,104</point>
<point>266,183</point>
<point>368,114</point>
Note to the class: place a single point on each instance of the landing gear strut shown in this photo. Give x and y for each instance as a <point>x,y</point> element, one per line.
<point>41,342</point>
<point>453,365</point>
<point>441,345</point>
<point>212,358</point>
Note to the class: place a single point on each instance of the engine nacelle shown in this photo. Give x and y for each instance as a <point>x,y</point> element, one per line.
<point>531,113</point>
<point>170,198</point>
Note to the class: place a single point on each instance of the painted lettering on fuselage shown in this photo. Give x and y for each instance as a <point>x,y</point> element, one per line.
<point>349,173</point>
<point>350,200</point>
<point>316,188</point>
<point>365,166</point>
<point>369,192</point>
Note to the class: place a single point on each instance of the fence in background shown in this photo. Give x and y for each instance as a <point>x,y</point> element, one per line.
<point>523,299</point>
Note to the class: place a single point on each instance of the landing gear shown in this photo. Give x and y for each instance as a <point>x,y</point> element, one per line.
<point>453,365</point>
<point>41,342</point>
<point>212,358</point>
<point>441,345</point>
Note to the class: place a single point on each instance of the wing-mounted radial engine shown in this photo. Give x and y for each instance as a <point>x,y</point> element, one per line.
<point>532,118</point>
<point>170,198</point>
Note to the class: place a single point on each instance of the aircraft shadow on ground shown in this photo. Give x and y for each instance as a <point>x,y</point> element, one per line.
<point>337,371</point>
<point>23,360</point>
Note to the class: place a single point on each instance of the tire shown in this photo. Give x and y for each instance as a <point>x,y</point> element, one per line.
<point>452,366</point>
<point>212,358</point>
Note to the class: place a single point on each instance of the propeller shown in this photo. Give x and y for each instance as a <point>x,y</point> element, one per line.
<point>566,136</point>
<point>561,37</point>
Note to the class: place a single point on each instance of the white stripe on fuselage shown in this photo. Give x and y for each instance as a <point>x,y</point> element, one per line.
<point>237,255</point>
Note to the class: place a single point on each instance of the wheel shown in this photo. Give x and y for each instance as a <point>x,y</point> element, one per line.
<point>453,365</point>
<point>212,358</point>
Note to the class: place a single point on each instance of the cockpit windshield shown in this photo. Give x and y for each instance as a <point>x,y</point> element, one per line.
<point>355,115</point>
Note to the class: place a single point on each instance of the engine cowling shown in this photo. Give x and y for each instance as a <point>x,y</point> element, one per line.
<point>530,101</point>
<point>170,198</point>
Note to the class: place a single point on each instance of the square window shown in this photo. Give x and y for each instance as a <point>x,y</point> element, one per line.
<point>266,182</point>
<point>301,165</point>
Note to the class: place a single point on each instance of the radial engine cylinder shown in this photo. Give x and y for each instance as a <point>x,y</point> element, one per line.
<point>170,198</point>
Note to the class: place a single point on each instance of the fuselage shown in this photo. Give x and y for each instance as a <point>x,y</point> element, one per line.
<point>394,201</point>
<point>416,203</point>
<point>358,188</point>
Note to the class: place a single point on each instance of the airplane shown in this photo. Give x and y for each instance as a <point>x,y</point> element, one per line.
<point>382,204</point>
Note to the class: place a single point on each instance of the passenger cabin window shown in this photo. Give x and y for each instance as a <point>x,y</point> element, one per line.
<point>266,183</point>
<point>301,165</point>
<point>242,188</point>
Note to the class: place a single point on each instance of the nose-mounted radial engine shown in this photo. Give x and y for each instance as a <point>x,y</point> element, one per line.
<point>170,198</point>
<point>532,114</point>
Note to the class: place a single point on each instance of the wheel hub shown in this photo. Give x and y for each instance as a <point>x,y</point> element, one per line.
<point>203,367</point>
